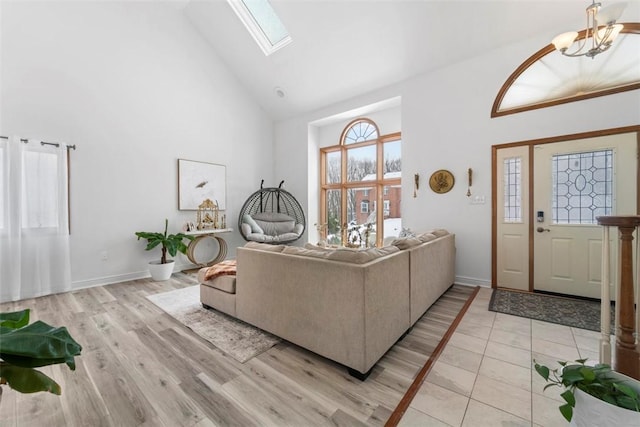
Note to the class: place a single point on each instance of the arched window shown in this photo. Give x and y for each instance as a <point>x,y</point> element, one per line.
<point>355,174</point>
<point>547,78</point>
<point>359,131</point>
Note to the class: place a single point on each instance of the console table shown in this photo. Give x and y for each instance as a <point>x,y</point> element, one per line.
<point>203,234</point>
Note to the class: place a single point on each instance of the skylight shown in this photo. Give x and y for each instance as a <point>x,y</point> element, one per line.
<point>263,24</point>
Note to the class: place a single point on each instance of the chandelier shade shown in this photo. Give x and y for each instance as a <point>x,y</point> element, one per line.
<point>599,35</point>
<point>564,40</point>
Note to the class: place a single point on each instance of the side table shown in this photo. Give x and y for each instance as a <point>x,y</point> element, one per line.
<point>203,234</point>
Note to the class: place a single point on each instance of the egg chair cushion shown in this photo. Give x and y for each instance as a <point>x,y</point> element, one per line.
<point>253,225</point>
<point>272,227</point>
<point>273,223</point>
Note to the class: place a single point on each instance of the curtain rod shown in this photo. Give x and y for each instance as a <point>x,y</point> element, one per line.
<point>55,144</point>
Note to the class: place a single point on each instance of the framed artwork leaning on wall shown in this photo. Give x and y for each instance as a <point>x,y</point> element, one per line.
<point>198,181</point>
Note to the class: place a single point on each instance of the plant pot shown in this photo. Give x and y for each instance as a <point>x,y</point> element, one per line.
<point>590,411</point>
<point>160,272</point>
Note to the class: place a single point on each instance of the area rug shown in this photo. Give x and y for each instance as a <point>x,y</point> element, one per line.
<point>572,312</point>
<point>234,337</point>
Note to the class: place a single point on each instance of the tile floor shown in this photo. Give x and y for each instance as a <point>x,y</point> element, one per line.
<point>485,375</point>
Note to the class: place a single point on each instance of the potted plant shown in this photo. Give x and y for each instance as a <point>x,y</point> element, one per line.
<point>171,243</point>
<point>594,395</point>
<point>25,346</point>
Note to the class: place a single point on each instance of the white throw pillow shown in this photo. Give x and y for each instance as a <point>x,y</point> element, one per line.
<point>255,228</point>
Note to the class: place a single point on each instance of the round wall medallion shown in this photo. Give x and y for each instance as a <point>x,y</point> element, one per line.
<point>441,181</point>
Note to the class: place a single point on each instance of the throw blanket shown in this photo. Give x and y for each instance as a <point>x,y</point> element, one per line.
<point>224,268</point>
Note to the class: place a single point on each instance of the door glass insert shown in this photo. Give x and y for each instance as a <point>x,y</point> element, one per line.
<point>512,189</point>
<point>582,187</point>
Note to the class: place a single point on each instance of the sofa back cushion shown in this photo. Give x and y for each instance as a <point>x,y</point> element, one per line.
<point>296,250</point>
<point>406,242</point>
<point>319,248</point>
<point>264,247</point>
<point>361,256</point>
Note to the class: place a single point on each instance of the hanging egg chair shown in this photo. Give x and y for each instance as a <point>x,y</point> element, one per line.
<point>271,215</point>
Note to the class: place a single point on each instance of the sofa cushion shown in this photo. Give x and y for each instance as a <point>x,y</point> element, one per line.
<point>264,247</point>
<point>427,237</point>
<point>406,242</point>
<point>296,250</point>
<point>319,248</point>
<point>439,232</point>
<point>255,228</point>
<point>361,256</point>
<point>223,283</point>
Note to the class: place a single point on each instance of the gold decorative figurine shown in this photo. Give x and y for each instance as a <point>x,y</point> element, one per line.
<point>207,215</point>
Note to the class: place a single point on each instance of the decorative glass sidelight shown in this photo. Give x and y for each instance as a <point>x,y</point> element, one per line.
<point>513,190</point>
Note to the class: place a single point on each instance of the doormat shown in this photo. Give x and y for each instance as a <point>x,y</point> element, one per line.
<point>577,313</point>
<point>234,337</point>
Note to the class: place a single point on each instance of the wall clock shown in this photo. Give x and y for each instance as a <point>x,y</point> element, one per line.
<point>441,181</point>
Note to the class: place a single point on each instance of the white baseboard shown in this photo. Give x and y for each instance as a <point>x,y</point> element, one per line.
<point>472,281</point>
<point>108,280</point>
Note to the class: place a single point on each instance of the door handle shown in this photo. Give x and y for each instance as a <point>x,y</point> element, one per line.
<point>542,230</point>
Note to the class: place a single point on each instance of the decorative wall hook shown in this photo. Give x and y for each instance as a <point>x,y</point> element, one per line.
<point>416,184</point>
<point>470,173</point>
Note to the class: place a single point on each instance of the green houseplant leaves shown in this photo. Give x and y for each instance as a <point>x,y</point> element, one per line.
<point>594,380</point>
<point>26,346</point>
<point>172,243</point>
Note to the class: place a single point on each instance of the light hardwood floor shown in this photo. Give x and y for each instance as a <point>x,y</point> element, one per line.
<point>139,366</point>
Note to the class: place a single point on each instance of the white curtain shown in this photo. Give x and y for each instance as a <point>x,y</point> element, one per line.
<point>34,220</point>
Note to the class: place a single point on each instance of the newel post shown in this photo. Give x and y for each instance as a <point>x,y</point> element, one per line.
<point>627,360</point>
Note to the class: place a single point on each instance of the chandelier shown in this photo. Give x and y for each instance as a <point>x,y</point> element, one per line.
<point>600,33</point>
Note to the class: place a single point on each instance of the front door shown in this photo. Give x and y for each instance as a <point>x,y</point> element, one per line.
<point>574,182</point>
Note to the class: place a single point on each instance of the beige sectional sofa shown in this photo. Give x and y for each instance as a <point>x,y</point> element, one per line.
<point>349,306</point>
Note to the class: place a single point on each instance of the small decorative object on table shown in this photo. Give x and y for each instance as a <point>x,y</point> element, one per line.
<point>208,215</point>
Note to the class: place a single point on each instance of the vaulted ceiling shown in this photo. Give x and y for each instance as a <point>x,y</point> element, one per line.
<point>344,48</point>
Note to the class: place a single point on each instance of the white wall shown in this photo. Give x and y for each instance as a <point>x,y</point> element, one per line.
<point>136,88</point>
<point>446,124</point>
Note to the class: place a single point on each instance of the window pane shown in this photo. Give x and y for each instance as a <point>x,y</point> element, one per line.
<point>361,205</point>
<point>361,216</point>
<point>40,190</point>
<point>392,210</point>
<point>333,169</point>
<point>361,164</point>
<point>512,190</point>
<point>3,196</point>
<point>360,132</point>
<point>392,159</point>
<point>582,187</point>
<point>334,213</point>
<point>267,19</point>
